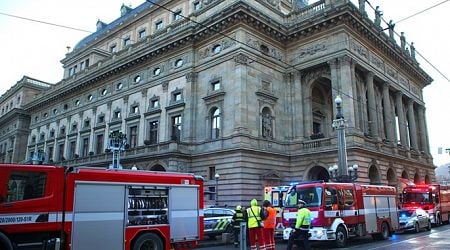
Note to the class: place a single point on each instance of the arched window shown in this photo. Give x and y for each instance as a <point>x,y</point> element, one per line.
<point>266,123</point>
<point>215,123</point>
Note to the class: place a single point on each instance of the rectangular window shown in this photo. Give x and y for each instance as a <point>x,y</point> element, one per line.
<point>61,152</point>
<point>117,115</point>
<point>72,149</point>
<point>215,85</point>
<point>87,123</point>
<point>142,34</point>
<point>85,148</point>
<point>99,146</point>
<point>212,173</point>
<point>159,25</point>
<point>86,63</point>
<point>133,137</point>
<point>197,5</point>
<point>177,96</point>
<point>153,137</point>
<point>135,109</point>
<point>126,41</point>
<point>82,65</point>
<point>25,185</point>
<point>101,119</point>
<point>50,153</point>
<point>113,48</point>
<point>176,127</point>
<point>155,103</point>
<point>177,15</point>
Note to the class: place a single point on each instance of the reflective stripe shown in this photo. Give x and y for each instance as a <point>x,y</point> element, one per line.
<point>98,216</point>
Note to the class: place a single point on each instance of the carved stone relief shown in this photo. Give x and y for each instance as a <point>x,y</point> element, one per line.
<point>225,43</point>
<point>359,49</point>
<point>255,43</point>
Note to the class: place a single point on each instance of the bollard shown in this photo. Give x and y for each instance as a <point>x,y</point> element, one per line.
<point>243,236</point>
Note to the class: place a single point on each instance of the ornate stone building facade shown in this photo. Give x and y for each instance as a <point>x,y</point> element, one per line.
<point>241,88</point>
<point>15,121</point>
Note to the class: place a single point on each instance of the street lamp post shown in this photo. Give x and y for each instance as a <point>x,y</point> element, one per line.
<point>341,172</point>
<point>216,177</point>
<point>117,143</point>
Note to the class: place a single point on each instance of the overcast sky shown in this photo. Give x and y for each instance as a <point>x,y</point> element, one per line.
<point>35,49</point>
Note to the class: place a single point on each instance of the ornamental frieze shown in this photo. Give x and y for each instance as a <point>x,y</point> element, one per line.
<point>256,44</point>
<point>309,51</point>
<point>224,44</point>
<point>391,72</point>
<point>377,62</point>
<point>359,49</point>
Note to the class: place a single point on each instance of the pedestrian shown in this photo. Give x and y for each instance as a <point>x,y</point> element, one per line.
<point>238,217</point>
<point>269,225</point>
<point>254,217</point>
<point>302,225</point>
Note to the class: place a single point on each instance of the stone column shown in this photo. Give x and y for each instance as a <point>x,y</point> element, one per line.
<point>92,135</point>
<point>345,83</point>
<point>297,110</point>
<point>423,130</point>
<point>124,112</point>
<point>190,114</point>
<point>388,118</point>
<point>240,94</point>
<point>373,119</point>
<point>401,120</point>
<point>142,135</point>
<point>412,125</point>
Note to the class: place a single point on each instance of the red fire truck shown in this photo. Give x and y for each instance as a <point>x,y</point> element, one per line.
<point>276,195</point>
<point>343,210</point>
<point>433,198</point>
<point>53,207</point>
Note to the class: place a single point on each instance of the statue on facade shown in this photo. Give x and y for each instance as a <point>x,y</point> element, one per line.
<point>413,51</point>
<point>402,40</point>
<point>391,26</point>
<point>378,14</point>
<point>362,7</point>
<point>267,125</point>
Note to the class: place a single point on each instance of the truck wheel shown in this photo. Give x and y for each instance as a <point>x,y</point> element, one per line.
<point>341,236</point>
<point>148,241</point>
<point>384,231</point>
<point>5,243</point>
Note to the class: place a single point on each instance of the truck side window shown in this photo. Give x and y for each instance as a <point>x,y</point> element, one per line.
<point>25,186</point>
<point>331,199</point>
<point>349,198</point>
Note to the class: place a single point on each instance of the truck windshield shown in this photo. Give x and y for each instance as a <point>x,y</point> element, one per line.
<point>311,195</point>
<point>416,198</point>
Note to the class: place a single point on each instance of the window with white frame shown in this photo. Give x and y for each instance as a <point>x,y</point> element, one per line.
<point>142,33</point>
<point>215,123</point>
<point>159,25</point>
<point>177,15</point>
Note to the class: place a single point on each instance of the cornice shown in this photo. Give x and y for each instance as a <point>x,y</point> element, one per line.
<point>191,33</point>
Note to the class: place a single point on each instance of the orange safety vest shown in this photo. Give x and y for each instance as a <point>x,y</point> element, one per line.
<point>270,221</point>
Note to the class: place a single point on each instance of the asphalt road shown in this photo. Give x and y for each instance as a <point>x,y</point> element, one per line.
<point>436,239</point>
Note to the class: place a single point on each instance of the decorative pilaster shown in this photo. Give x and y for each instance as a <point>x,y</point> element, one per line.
<point>423,131</point>
<point>412,125</point>
<point>373,119</point>
<point>190,114</point>
<point>297,110</point>
<point>401,120</point>
<point>240,93</point>
<point>387,112</point>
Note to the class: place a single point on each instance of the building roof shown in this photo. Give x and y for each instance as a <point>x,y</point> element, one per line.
<point>102,31</point>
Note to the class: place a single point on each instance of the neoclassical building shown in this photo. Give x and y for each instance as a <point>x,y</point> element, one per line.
<point>242,88</point>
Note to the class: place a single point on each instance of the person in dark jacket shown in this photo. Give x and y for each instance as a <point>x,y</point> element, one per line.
<point>238,217</point>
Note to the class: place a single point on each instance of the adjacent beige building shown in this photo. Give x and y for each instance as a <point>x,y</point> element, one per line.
<point>242,88</point>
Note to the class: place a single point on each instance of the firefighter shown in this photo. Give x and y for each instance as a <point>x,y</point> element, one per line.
<point>302,224</point>
<point>238,217</point>
<point>254,217</point>
<point>269,225</point>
